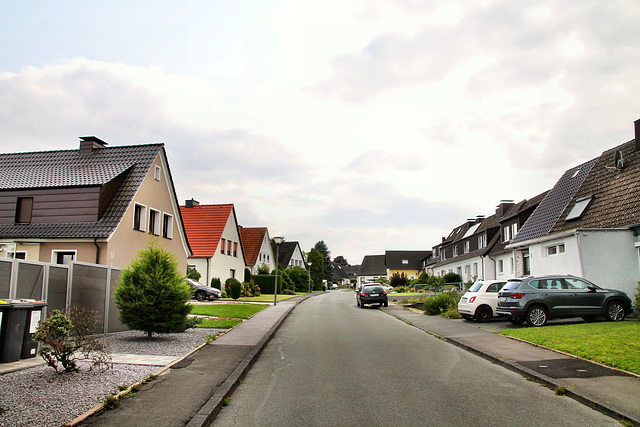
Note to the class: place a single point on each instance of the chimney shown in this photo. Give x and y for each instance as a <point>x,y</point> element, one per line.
<point>191,203</point>
<point>90,143</point>
<point>637,123</point>
<point>504,206</point>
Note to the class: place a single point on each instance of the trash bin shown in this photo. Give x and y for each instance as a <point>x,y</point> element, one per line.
<point>34,316</point>
<point>14,316</point>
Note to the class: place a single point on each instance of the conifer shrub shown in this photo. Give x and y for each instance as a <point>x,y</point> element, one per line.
<point>152,295</point>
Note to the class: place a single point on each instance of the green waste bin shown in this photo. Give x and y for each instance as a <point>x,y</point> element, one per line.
<point>14,316</point>
<point>34,316</point>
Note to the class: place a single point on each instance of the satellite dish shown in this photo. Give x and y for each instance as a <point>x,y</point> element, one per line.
<point>618,161</point>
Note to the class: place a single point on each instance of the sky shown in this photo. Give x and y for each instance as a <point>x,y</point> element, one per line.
<point>372,125</point>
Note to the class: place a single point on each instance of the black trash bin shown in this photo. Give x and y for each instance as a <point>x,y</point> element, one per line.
<point>34,316</point>
<point>14,316</point>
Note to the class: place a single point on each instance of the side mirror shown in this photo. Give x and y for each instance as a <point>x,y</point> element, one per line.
<point>592,288</point>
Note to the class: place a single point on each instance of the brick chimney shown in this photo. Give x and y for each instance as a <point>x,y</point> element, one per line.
<point>90,143</point>
<point>504,206</point>
<point>637,123</point>
<point>191,203</point>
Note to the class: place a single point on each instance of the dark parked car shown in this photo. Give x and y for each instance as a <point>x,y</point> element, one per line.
<point>372,294</point>
<point>202,292</point>
<point>537,299</point>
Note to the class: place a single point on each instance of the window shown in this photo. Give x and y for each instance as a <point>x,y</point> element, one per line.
<point>63,257</point>
<point>223,244</point>
<point>405,262</point>
<point>17,255</point>
<point>139,217</point>
<point>466,247</point>
<point>455,251</point>
<point>24,210</point>
<point>556,249</point>
<point>156,173</point>
<point>579,208</point>
<point>511,264</point>
<point>232,273</point>
<point>154,222</point>
<point>506,234</point>
<point>501,266</point>
<point>514,229</point>
<point>482,241</point>
<point>235,249</point>
<point>167,226</point>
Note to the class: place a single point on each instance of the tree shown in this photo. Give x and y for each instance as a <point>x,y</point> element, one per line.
<point>316,269</point>
<point>263,269</point>
<point>152,295</point>
<point>193,274</point>
<point>398,279</point>
<point>300,278</point>
<point>321,247</point>
<point>341,261</point>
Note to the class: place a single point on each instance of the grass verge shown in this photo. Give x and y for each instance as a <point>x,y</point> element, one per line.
<point>615,344</point>
<point>234,311</point>
<point>222,324</point>
<point>264,298</point>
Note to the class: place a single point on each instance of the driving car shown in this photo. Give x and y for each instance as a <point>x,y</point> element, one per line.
<point>372,294</point>
<point>202,292</point>
<point>480,301</point>
<point>536,299</point>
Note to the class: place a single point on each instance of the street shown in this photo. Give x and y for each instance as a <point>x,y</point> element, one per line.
<point>332,363</point>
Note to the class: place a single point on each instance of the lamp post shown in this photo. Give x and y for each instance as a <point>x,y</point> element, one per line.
<point>277,240</point>
<point>309,264</point>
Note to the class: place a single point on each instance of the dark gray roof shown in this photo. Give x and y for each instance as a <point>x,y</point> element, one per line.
<point>285,252</point>
<point>549,210</point>
<point>373,265</point>
<point>70,168</point>
<point>414,259</point>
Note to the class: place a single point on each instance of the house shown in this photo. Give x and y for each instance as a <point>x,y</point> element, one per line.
<point>409,263</point>
<point>96,204</point>
<point>588,224</point>
<point>214,237</point>
<point>372,268</point>
<point>256,246</point>
<point>289,254</point>
<point>340,275</point>
<point>476,249</point>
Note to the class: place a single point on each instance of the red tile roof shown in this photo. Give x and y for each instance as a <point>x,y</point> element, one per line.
<point>204,225</point>
<point>252,239</point>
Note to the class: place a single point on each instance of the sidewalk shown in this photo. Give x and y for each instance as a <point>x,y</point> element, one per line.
<point>191,392</point>
<point>607,390</point>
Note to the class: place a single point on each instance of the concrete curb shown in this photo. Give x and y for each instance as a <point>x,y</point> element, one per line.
<point>210,410</point>
<point>530,374</point>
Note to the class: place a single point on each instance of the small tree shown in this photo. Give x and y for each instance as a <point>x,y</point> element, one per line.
<point>193,274</point>
<point>216,283</point>
<point>263,269</point>
<point>235,288</point>
<point>317,269</point>
<point>152,295</point>
<point>398,279</point>
<point>247,275</point>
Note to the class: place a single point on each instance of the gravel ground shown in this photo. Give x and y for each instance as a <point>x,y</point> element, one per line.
<point>40,397</point>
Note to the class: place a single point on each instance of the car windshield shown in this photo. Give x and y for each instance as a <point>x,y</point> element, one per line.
<point>475,287</point>
<point>510,286</point>
<point>373,289</point>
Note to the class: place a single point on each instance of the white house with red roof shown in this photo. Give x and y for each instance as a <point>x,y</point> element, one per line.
<point>256,245</point>
<point>214,237</point>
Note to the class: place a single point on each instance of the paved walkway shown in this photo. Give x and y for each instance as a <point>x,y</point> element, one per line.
<point>608,390</point>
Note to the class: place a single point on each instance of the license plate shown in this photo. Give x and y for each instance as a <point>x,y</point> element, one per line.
<point>502,298</point>
<point>374,295</point>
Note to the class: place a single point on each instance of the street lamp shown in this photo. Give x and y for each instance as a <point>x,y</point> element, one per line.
<point>277,241</point>
<point>309,264</point>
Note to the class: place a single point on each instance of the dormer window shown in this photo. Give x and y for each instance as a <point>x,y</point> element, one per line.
<point>405,262</point>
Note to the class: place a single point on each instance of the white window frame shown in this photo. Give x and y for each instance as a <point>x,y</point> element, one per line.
<point>157,227</point>
<point>55,252</point>
<point>167,233</point>
<point>157,173</point>
<point>143,216</point>
<point>467,246</point>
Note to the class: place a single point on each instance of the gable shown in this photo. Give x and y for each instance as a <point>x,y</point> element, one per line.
<point>204,225</point>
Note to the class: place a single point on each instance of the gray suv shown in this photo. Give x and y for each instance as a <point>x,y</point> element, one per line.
<point>537,299</point>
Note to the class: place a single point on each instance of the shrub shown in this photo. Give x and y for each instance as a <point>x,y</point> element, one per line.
<point>636,301</point>
<point>247,275</point>
<point>216,283</point>
<point>452,278</point>
<point>398,279</point>
<point>288,292</point>
<point>437,305</point>
<point>266,283</point>
<point>263,269</point>
<point>193,274</point>
<point>234,288</point>
<point>67,337</point>
<point>152,296</point>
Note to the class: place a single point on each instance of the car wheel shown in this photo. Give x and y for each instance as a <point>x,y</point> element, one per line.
<point>386,303</point>
<point>201,296</point>
<point>614,312</point>
<point>536,316</point>
<point>515,320</point>
<point>589,319</point>
<point>483,314</point>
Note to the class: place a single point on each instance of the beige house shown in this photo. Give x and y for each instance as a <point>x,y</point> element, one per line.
<point>97,204</point>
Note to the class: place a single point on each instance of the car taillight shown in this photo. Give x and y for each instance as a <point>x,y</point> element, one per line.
<point>384,292</point>
<point>362,294</point>
<point>472,299</point>
<point>514,296</point>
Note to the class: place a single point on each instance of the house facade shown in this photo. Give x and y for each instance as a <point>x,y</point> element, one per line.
<point>289,254</point>
<point>214,237</point>
<point>256,244</point>
<point>372,268</point>
<point>408,263</point>
<point>590,228</point>
<point>97,204</point>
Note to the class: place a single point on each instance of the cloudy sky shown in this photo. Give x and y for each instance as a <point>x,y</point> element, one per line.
<point>368,124</point>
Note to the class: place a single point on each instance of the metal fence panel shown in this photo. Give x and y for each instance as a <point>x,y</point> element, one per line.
<point>30,281</point>
<point>57,287</point>
<point>5,277</point>
<point>88,290</point>
<point>114,314</point>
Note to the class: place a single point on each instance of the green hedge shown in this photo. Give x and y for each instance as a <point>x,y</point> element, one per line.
<point>266,282</point>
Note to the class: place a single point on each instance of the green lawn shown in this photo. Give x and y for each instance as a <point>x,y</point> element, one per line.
<point>615,344</point>
<point>265,298</point>
<point>222,324</point>
<point>233,311</point>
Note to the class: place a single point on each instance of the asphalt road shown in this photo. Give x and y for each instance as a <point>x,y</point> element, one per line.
<point>332,364</point>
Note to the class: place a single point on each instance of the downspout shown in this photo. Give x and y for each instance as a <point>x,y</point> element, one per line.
<point>95,242</point>
<point>495,267</point>
<point>208,279</point>
<point>579,253</point>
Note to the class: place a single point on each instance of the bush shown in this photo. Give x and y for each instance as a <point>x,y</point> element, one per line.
<point>439,304</point>
<point>68,337</point>
<point>263,269</point>
<point>266,283</point>
<point>288,292</point>
<point>193,274</point>
<point>216,283</point>
<point>152,296</point>
<point>234,288</point>
<point>398,279</point>
<point>636,301</point>
<point>247,275</point>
